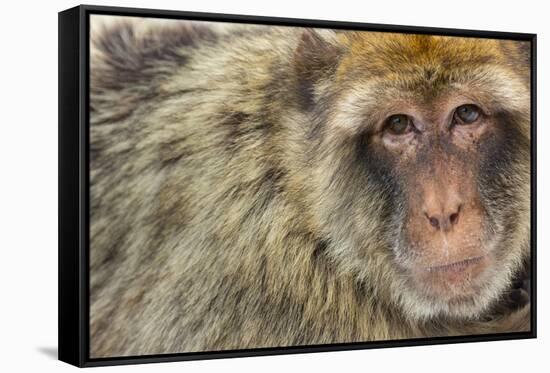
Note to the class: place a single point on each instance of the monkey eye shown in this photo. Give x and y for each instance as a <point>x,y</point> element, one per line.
<point>398,124</point>
<point>466,114</point>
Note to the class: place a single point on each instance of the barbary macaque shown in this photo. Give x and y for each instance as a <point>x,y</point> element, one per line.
<point>264,186</point>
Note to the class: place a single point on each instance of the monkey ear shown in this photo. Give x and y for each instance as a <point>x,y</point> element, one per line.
<point>315,58</point>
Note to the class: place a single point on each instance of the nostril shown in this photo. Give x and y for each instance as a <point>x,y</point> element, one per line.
<point>454,217</point>
<point>434,222</point>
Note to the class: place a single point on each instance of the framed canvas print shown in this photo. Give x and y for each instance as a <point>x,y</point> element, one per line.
<point>237,186</point>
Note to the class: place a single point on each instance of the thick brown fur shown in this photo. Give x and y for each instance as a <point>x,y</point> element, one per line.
<point>228,209</point>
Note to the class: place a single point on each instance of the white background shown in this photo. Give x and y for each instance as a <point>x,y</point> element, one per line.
<point>28,184</point>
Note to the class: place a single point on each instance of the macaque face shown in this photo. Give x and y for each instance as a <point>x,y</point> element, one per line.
<point>446,151</point>
<point>444,243</point>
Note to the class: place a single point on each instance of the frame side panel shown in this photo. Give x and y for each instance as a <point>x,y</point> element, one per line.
<point>69,331</point>
<point>534,186</point>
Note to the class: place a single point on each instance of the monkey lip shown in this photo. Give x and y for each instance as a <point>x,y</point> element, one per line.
<point>455,280</point>
<point>456,266</point>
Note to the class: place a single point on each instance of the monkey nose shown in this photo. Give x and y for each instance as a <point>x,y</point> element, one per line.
<point>445,219</point>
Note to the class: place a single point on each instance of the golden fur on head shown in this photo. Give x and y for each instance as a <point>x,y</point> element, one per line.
<point>229,207</point>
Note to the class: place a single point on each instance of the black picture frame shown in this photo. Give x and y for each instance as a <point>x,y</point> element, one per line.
<point>74,183</point>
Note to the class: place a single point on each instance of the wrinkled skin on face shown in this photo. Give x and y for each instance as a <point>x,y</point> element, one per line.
<point>446,237</point>
<point>442,139</point>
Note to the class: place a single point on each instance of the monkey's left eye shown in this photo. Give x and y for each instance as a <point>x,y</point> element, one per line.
<point>398,124</point>
<point>467,114</point>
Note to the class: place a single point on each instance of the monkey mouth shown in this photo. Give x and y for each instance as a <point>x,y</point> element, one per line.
<point>459,266</point>
<point>453,281</point>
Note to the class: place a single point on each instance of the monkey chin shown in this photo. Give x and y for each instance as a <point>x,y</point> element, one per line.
<point>459,290</point>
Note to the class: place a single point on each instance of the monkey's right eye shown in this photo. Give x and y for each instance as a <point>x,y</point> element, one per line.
<point>398,124</point>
